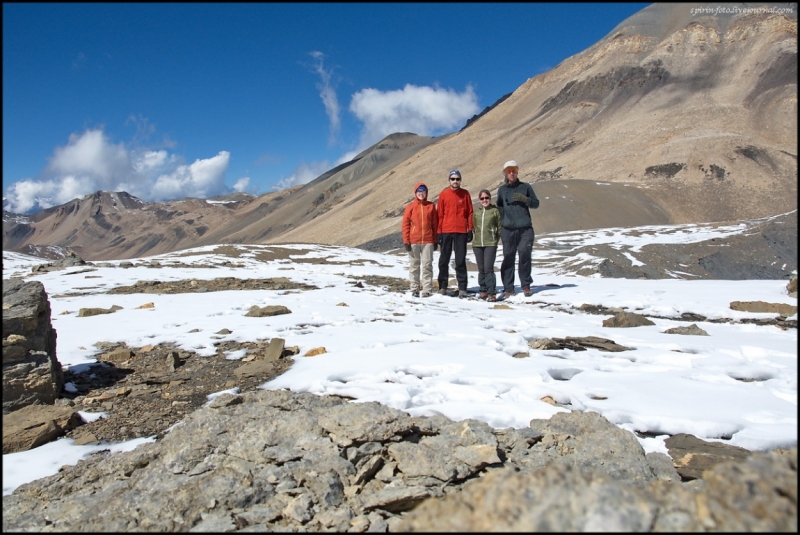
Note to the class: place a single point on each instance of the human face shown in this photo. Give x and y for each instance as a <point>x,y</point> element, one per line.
<point>485,199</point>
<point>512,174</point>
<point>422,195</point>
<point>455,182</point>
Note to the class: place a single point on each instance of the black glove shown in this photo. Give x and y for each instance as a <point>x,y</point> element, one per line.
<point>470,235</point>
<point>435,246</point>
<point>439,239</point>
<point>519,197</point>
<point>407,246</point>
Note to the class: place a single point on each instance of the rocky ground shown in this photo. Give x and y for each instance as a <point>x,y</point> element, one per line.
<point>765,249</point>
<point>275,460</point>
<point>143,391</point>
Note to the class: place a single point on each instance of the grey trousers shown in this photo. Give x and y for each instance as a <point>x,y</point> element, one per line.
<point>420,258</point>
<point>484,257</point>
<point>516,242</point>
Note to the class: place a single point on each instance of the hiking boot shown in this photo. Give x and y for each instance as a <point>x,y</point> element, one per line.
<point>527,291</point>
<point>491,298</point>
<point>462,294</point>
<point>425,294</point>
<point>443,291</point>
<point>506,295</point>
<point>483,295</point>
<point>414,294</point>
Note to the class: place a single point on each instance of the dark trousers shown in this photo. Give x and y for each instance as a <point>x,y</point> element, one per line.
<point>453,242</point>
<point>484,257</point>
<point>516,242</point>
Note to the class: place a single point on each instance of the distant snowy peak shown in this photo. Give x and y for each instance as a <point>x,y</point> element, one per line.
<point>10,217</point>
<point>231,198</point>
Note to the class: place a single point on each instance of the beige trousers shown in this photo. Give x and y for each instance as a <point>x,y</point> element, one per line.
<point>420,258</point>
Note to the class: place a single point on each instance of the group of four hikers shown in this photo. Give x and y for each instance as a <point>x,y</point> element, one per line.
<point>451,223</point>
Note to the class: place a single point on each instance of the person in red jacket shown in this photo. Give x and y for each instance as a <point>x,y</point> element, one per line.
<point>455,232</point>
<point>419,225</point>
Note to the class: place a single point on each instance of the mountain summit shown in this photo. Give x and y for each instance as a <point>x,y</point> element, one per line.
<point>679,115</point>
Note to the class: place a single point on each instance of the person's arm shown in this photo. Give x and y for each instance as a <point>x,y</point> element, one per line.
<point>406,224</point>
<point>500,199</point>
<point>533,201</point>
<point>435,226</point>
<point>470,211</point>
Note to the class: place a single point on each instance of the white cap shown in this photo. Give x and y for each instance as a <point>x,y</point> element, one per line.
<point>510,163</point>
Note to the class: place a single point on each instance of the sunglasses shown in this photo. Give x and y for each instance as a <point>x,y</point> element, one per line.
<point>486,198</point>
<point>455,179</point>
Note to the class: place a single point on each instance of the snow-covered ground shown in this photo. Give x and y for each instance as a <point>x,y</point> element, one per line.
<point>462,358</point>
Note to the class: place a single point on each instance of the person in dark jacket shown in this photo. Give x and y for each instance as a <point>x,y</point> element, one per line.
<point>454,207</point>
<point>419,224</point>
<point>486,229</point>
<point>515,199</point>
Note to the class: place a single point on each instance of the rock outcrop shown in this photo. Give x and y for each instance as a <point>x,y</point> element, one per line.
<point>757,495</point>
<point>31,371</point>
<point>283,461</point>
<point>34,425</point>
<point>70,260</point>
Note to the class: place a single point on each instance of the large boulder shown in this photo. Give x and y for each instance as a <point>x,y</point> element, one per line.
<point>284,461</point>
<point>759,494</point>
<point>31,371</point>
<point>34,425</point>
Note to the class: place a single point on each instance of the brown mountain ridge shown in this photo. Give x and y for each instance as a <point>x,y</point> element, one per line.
<point>671,118</point>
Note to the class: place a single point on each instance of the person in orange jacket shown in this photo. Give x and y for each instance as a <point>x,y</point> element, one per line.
<point>455,232</point>
<point>420,221</point>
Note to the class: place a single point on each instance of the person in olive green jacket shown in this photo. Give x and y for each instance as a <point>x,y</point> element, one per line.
<point>486,224</point>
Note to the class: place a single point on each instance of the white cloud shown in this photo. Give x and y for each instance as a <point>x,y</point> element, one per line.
<point>89,155</point>
<point>424,111</point>
<point>203,178</point>
<point>90,162</point>
<point>346,157</point>
<point>327,92</point>
<point>304,174</point>
<point>241,184</point>
<point>150,161</point>
<point>23,196</point>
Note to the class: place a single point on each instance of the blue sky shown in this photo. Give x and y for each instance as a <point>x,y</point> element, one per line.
<point>172,100</point>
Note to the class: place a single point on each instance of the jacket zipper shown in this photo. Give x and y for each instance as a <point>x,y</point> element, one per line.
<point>483,224</point>
<point>422,223</point>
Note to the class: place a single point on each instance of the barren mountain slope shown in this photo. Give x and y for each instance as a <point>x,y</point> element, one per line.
<point>697,113</point>
<point>109,225</point>
<point>339,185</point>
<point>671,118</point>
